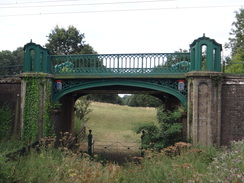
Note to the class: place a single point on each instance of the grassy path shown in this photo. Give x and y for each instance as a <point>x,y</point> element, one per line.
<point>110,122</point>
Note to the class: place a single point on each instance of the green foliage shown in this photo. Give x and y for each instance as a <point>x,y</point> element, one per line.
<point>194,164</point>
<point>11,62</point>
<point>236,65</point>
<point>216,79</point>
<point>82,109</point>
<point>236,44</point>
<point>228,165</point>
<point>166,133</point>
<point>9,58</point>
<point>189,166</point>
<point>6,117</point>
<point>142,100</point>
<point>32,107</point>
<point>67,41</point>
<point>48,126</point>
<point>106,98</point>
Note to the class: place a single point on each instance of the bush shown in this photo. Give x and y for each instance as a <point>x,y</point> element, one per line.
<point>165,133</point>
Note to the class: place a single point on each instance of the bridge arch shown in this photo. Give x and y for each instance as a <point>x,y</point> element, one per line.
<point>121,82</point>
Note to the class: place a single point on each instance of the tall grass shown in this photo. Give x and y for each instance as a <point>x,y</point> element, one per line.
<point>202,164</point>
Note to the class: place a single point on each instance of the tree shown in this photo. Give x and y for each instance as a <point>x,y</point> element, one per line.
<point>142,100</point>
<point>236,44</point>
<point>66,42</point>
<point>106,98</point>
<point>6,58</point>
<point>11,62</point>
<point>82,109</point>
<point>18,55</point>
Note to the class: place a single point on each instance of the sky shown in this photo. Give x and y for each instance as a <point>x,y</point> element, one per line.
<point>119,26</point>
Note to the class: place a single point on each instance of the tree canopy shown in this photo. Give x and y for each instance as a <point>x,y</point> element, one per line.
<point>68,41</point>
<point>11,61</point>
<point>236,44</point>
<point>142,100</point>
<point>10,58</point>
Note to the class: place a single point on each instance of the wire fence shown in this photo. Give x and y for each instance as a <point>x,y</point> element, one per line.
<point>13,70</point>
<point>114,146</point>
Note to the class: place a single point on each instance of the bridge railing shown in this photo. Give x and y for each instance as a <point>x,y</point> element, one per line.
<point>120,64</point>
<point>11,70</point>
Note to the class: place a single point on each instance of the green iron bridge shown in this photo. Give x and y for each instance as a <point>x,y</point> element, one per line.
<point>154,71</point>
<point>192,79</point>
<point>161,72</point>
<point>149,72</point>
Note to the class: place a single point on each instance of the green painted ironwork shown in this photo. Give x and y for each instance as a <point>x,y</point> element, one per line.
<point>209,61</point>
<point>156,71</point>
<point>36,58</point>
<point>120,64</point>
<point>158,84</point>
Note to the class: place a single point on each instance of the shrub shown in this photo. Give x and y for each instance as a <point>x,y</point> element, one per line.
<point>166,133</point>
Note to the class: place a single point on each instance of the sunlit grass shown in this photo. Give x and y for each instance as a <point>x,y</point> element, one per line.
<point>111,122</point>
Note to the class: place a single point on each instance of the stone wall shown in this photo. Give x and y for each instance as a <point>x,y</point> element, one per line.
<point>204,103</point>
<point>232,114</point>
<point>10,92</point>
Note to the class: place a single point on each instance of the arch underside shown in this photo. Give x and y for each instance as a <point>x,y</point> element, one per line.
<point>148,86</point>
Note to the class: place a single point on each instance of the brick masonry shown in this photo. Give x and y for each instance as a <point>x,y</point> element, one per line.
<point>215,114</point>
<point>232,114</point>
<point>10,93</point>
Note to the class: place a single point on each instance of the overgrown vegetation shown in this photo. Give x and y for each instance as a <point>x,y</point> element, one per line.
<point>82,109</point>
<point>188,164</point>
<point>163,134</point>
<point>177,163</point>
<point>32,107</point>
<point>6,117</point>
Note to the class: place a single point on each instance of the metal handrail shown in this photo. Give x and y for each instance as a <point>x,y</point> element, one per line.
<point>116,64</point>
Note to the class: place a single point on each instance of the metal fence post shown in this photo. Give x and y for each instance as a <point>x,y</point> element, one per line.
<point>142,143</point>
<point>90,143</point>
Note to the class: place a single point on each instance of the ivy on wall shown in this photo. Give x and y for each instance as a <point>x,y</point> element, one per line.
<point>48,129</point>
<point>38,90</point>
<point>6,117</point>
<point>216,80</point>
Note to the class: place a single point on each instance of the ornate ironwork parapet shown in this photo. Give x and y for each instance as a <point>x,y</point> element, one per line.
<point>175,87</point>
